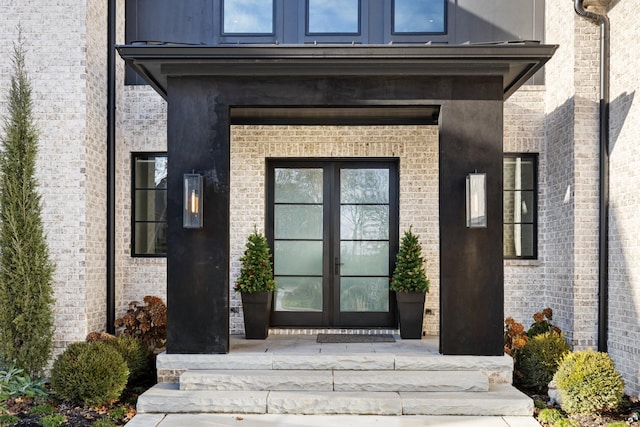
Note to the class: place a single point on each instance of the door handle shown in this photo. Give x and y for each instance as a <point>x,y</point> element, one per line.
<point>337,265</point>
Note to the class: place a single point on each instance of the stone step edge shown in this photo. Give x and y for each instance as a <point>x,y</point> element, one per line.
<point>334,380</point>
<point>335,361</point>
<point>499,369</point>
<point>501,400</point>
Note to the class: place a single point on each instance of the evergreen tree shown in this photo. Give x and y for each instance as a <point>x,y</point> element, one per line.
<point>409,274</point>
<point>26,293</point>
<point>256,274</point>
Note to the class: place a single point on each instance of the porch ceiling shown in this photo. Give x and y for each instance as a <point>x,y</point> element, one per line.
<point>515,62</point>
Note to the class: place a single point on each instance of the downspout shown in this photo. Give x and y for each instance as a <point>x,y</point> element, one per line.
<point>111,166</point>
<point>603,264</point>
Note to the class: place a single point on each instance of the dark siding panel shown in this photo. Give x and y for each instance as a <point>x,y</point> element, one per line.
<point>184,21</point>
<point>502,20</point>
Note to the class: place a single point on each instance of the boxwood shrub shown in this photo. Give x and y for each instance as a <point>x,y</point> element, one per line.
<point>539,359</point>
<point>588,383</point>
<point>89,373</point>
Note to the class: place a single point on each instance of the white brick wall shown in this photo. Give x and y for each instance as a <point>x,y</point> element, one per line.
<point>415,146</point>
<point>624,250</point>
<point>524,280</point>
<point>65,58</point>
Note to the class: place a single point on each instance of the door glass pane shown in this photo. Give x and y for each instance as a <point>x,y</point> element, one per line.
<point>365,258</point>
<point>364,294</point>
<point>360,222</point>
<point>298,185</point>
<point>333,16</point>
<point>364,186</point>
<point>248,17</point>
<point>298,294</point>
<point>419,16</point>
<point>298,221</point>
<point>298,258</point>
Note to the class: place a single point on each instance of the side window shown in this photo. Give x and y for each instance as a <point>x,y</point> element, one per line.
<point>333,17</point>
<point>419,17</point>
<point>520,188</point>
<point>149,204</point>
<point>247,17</point>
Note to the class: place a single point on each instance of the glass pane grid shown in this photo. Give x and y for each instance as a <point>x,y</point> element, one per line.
<point>149,204</point>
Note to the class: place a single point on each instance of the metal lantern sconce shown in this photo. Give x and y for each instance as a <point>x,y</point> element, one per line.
<point>476,197</point>
<point>192,212</point>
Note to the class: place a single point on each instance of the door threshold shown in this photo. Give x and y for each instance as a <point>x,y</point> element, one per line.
<point>322,330</point>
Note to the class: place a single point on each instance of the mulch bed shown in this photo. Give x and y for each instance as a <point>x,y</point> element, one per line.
<point>624,414</point>
<point>76,416</point>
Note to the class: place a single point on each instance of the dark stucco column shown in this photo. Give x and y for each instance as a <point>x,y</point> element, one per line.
<point>198,259</point>
<point>471,260</point>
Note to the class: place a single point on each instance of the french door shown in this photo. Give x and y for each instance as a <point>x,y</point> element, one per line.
<point>333,227</point>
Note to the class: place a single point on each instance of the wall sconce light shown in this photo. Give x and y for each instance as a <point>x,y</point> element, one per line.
<point>476,196</point>
<point>192,213</point>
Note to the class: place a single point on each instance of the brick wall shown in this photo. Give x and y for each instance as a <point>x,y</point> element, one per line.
<point>572,163</point>
<point>415,146</point>
<point>524,280</point>
<point>624,250</point>
<point>65,59</point>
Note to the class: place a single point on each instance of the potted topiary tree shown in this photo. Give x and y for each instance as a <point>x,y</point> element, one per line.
<point>410,284</point>
<point>256,286</point>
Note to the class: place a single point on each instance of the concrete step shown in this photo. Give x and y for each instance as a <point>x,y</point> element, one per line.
<point>419,381</point>
<point>293,380</point>
<point>500,400</point>
<point>257,380</point>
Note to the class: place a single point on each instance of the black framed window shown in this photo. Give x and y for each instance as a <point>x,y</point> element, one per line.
<point>248,17</point>
<point>149,204</point>
<point>419,16</point>
<point>520,188</point>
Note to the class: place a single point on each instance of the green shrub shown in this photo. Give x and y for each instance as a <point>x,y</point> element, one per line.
<point>617,424</point>
<point>409,274</point>
<point>566,422</point>
<point>41,410</point>
<point>118,413</point>
<point>589,383</point>
<point>53,420</point>
<point>26,271</point>
<point>539,359</point>
<point>104,422</point>
<point>131,349</point>
<point>550,416</point>
<point>8,420</point>
<point>15,382</point>
<point>89,373</point>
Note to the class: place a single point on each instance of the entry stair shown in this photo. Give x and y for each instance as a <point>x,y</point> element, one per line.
<point>340,383</point>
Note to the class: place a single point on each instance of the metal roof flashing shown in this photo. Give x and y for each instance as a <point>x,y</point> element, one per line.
<point>516,62</point>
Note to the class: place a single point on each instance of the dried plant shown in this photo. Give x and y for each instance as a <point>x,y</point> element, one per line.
<point>147,322</point>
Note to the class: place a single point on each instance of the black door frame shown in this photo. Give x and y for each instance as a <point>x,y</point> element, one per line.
<point>331,315</point>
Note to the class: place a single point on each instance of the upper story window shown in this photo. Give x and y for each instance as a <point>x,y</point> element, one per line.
<point>149,204</point>
<point>419,16</point>
<point>247,16</point>
<point>520,187</point>
<point>333,16</point>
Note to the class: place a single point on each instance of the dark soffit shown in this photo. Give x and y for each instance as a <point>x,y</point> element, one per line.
<point>515,62</point>
<point>361,115</point>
